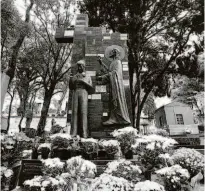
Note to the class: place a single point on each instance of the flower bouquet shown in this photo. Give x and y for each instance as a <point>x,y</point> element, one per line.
<point>44,149</point>
<point>108,182</point>
<point>41,183</point>
<point>148,186</point>
<point>189,159</point>
<point>80,171</point>
<point>90,148</point>
<point>125,169</point>
<point>53,167</point>
<point>6,176</point>
<point>126,137</point>
<point>148,148</point>
<point>61,145</point>
<point>175,178</point>
<point>111,147</point>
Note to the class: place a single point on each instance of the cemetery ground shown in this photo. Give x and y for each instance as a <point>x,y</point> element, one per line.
<point>125,161</point>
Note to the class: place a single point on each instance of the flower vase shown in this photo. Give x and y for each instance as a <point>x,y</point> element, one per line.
<point>148,174</point>
<point>129,154</point>
<point>45,154</point>
<point>111,156</point>
<point>34,154</point>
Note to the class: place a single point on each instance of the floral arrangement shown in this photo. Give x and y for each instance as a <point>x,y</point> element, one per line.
<point>80,168</point>
<point>149,147</point>
<point>111,147</point>
<point>126,137</point>
<point>6,175</point>
<point>12,146</point>
<point>125,169</point>
<point>79,174</point>
<point>41,183</point>
<point>148,186</point>
<point>189,159</point>
<point>108,182</point>
<point>61,140</point>
<point>175,178</point>
<point>90,145</point>
<point>53,167</point>
<point>65,182</point>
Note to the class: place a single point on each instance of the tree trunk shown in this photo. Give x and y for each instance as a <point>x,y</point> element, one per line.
<point>9,115</point>
<point>44,111</point>
<point>15,50</point>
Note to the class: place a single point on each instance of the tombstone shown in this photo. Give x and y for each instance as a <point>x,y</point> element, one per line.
<point>28,169</point>
<point>88,44</point>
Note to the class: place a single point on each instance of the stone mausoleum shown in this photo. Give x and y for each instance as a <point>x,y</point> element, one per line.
<point>89,43</point>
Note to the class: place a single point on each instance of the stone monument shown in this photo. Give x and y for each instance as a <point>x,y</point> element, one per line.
<point>90,43</point>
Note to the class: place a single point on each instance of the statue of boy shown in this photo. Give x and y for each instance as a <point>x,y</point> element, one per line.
<point>118,105</point>
<point>81,86</point>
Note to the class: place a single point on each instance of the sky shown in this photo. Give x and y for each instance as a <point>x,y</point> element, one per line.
<point>20,4</point>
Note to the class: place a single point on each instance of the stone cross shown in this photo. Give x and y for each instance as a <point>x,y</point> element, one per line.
<point>88,44</point>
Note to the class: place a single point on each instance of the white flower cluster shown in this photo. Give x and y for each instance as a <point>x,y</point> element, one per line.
<point>168,171</point>
<point>125,130</point>
<point>107,143</point>
<point>107,182</point>
<point>51,163</point>
<point>5,172</point>
<point>127,165</point>
<point>52,167</point>
<point>44,145</point>
<point>42,183</point>
<point>154,141</point>
<point>148,186</point>
<point>26,153</point>
<point>62,135</point>
<point>189,159</point>
<point>79,167</point>
<point>22,137</point>
<point>91,140</point>
<point>175,176</point>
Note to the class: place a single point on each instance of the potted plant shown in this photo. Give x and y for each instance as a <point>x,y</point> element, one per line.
<point>126,137</point>
<point>44,149</point>
<point>52,167</point>
<point>148,149</point>
<point>41,183</point>
<point>79,171</point>
<point>189,159</point>
<point>148,186</point>
<point>125,169</point>
<point>111,147</point>
<point>89,148</point>
<point>175,178</point>
<point>107,182</point>
<point>6,176</point>
<point>61,145</point>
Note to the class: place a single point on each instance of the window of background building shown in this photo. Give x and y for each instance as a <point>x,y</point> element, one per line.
<point>180,119</point>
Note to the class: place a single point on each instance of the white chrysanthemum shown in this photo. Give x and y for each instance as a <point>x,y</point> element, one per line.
<point>55,162</point>
<point>89,140</point>
<point>45,145</point>
<point>62,135</point>
<point>107,143</point>
<point>118,132</point>
<point>8,173</point>
<point>148,186</point>
<point>107,182</point>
